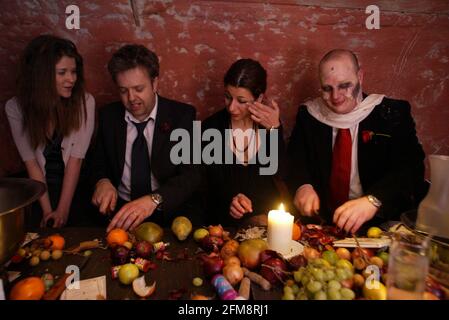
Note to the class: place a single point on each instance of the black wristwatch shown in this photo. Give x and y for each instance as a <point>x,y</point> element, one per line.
<point>157,199</point>
<point>374,201</point>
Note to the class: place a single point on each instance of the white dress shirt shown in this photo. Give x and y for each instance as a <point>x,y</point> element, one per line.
<point>124,189</point>
<point>355,187</point>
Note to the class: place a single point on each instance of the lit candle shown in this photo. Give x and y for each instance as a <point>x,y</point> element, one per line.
<point>280,226</point>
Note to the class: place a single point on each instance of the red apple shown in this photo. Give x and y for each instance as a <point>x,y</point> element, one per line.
<point>144,249</point>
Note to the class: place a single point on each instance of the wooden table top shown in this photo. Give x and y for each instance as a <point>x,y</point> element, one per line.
<point>169,275</point>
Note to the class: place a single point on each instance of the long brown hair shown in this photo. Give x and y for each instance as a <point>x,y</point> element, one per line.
<point>42,108</point>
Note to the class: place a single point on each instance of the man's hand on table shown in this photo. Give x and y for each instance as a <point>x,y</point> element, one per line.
<point>105,196</point>
<point>306,200</point>
<point>351,215</point>
<point>133,214</point>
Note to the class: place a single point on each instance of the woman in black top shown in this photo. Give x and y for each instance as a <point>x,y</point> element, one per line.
<point>240,193</point>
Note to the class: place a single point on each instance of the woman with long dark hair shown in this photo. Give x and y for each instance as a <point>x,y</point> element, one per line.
<point>52,121</point>
<point>239,193</point>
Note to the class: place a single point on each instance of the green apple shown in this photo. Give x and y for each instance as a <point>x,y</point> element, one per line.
<point>127,273</point>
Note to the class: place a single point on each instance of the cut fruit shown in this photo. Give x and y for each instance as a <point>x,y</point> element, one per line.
<point>141,289</point>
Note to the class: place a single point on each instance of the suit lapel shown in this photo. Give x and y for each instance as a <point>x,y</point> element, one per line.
<point>366,151</point>
<point>162,128</point>
<point>120,133</point>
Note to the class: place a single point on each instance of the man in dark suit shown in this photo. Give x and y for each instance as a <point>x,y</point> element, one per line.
<point>353,158</point>
<point>132,168</point>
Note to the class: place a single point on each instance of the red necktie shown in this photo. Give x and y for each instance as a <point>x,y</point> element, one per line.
<point>341,169</point>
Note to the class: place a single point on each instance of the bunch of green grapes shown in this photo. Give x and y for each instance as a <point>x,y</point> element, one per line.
<point>320,281</point>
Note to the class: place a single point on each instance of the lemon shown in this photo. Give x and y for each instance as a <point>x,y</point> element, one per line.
<point>374,232</point>
<point>374,290</point>
<point>199,234</point>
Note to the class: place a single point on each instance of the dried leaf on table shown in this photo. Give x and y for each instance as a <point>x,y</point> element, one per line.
<point>183,255</point>
<point>176,294</point>
<point>151,265</point>
<point>163,255</point>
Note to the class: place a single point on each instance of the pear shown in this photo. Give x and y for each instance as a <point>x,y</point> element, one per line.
<point>181,227</point>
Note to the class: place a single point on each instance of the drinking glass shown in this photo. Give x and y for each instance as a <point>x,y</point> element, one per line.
<point>408,266</point>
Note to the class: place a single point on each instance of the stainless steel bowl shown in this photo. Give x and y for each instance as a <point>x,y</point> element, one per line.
<point>16,197</point>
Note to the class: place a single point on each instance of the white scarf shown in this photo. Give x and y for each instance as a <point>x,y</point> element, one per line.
<point>319,110</point>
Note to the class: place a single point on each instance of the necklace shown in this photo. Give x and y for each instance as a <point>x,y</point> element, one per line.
<point>245,149</point>
<point>245,152</point>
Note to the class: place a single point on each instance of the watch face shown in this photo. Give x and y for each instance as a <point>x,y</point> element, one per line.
<point>374,201</point>
<point>157,198</point>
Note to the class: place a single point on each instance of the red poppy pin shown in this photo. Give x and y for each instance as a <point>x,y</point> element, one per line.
<point>368,135</point>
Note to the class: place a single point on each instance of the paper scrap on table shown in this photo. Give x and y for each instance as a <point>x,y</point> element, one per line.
<point>364,243</point>
<point>2,292</point>
<point>13,275</point>
<point>30,236</point>
<point>89,289</point>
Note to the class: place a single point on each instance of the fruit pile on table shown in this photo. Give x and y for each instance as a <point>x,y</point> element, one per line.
<point>320,272</point>
<point>231,265</point>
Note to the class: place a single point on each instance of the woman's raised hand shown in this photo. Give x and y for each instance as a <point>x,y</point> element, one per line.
<point>265,115</point>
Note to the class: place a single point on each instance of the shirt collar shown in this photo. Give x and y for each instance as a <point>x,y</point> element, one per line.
<point>130,118</point>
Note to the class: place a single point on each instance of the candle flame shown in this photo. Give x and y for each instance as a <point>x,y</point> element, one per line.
<point>281,207</point>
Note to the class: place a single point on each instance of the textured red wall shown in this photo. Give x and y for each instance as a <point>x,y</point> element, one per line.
<point>196,41</point>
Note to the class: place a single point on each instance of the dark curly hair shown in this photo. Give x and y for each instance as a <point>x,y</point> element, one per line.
<point>131,56</point>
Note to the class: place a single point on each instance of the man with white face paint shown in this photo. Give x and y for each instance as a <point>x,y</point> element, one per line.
<point>353,157</point>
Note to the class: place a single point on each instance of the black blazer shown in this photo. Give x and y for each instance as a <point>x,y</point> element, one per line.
<point>177,182</point>
<point>390,168</point>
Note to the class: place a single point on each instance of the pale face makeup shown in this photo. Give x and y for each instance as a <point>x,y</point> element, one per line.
<point>341,85</point>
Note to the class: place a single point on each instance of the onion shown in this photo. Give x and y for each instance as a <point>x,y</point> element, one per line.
<point>233,273</point>
<point>311,253</point>
<point>274,270</point>
<point>212,265</point>
<point>232,260</point>
<point>216,231</point>
<point>343,253</point>
<point>229,249</point>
